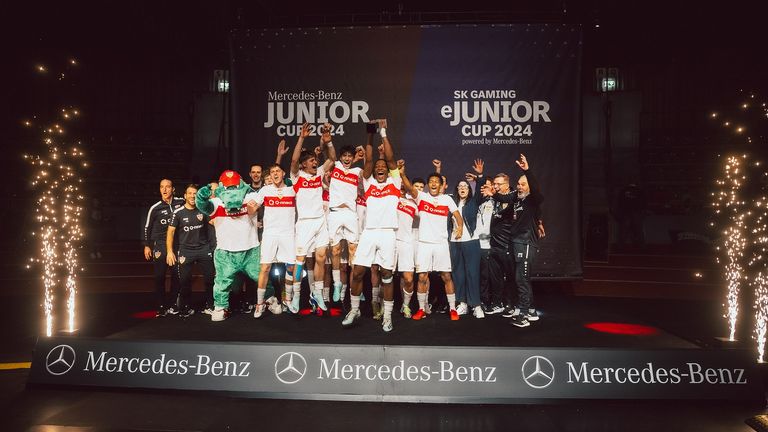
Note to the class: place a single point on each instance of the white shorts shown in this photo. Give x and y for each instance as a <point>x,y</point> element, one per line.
<point>310,234</point>
<point>433,257</point>
<point>376,247</point>
<point>278,249</point>
<point>405,256</point>
<point>343,225</point>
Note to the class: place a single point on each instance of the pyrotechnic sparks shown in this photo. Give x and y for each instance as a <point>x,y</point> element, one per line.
<point>58,212</point>
<point>728,204</point>
<point>759,240</point>
<point>741,210</point>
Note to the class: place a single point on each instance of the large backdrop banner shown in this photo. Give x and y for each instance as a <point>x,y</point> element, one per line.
<point>451,92</point>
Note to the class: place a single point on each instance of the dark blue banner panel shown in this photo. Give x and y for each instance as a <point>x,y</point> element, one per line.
<point>453,93</point>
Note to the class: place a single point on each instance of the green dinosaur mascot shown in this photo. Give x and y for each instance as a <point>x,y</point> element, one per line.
<point>232,208</point>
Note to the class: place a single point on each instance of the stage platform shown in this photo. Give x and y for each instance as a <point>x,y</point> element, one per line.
<point>578,349</point>
<point>124,318</point>
<point>565,322</point>
<point>117,312</point>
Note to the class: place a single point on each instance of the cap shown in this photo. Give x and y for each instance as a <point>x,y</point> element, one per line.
<point>229,178</point>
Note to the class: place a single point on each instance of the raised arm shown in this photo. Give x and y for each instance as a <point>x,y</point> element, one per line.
<point>368,163</point>
<point>477,177</point>
<point>325,142</point>
<point>297,150</point>
<point>533,182</point>
<point>438,165</point>
<point>407,185</point>
<point>203,198</point>
<point>282,149</point>
<point>389,154</point>
<point>359,155</point>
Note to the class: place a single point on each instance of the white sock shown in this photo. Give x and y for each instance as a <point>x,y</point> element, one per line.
<point>422,297</point>
<point>354,301</point>
<point>318,287</point>
<point>375,293</point>
<point>336,275</point>
<point>343,291</point>
<point>260,295</point>
<point>407,297</point>
<point>388,306</point>
<point>451,301</point>
<point>326,293</point>
<point>296,290</point>
<point>311,277</point>
<point>288,288</point>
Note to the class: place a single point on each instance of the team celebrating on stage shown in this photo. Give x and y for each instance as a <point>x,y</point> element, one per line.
<point>338,217</point>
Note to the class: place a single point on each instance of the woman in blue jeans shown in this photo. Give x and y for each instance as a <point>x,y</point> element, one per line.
<point>465,251</point>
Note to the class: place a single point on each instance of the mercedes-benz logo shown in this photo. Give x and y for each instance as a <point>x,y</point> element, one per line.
<point>60,360</point>
<point>290,367</point>
<point>538,372</point>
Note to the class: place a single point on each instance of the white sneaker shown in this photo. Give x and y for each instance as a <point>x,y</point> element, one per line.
<point>406,310</point>
<point>428,308</point>
<point>478,312</point>
<point>219,314</point>
<point>317,296</point>
<point>461,309</point>
<point>386,324</point>
<point>258,311</point>
<point>293,305</point>
<point>208,311</point>
<point>274,306</point>
<point>336,292</point>
<point>352,317</point>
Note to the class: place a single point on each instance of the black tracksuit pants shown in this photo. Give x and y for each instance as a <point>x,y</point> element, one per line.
<point>510,274</point>
<point>161,267</point>
<point>204,258</point>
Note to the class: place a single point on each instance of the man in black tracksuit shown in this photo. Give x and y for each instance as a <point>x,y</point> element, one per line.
<point>191,227</point>
<point>155,230</point>
<point>514,240</point>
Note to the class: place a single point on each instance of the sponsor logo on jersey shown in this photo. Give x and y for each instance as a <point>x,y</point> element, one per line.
<point>304,183</point>
<point>407,209</point>
<point>377,192</point>
<point>288,201</point>
<point>439,210</point>
<point>350,177</point>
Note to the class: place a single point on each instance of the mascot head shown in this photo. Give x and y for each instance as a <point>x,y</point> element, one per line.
<point>232,191</point>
